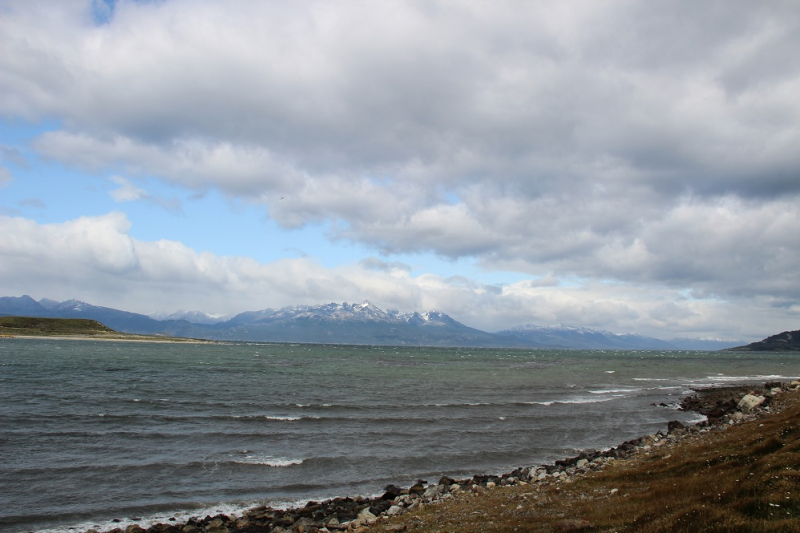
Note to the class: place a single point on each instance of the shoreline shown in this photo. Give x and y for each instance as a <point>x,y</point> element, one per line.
<point>397,507</point>
<point>116,337</point>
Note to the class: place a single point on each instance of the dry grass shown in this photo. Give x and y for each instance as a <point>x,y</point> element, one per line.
<point>743,479</point>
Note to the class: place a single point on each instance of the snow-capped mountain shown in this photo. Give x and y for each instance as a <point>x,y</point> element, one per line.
<point>333,323</point>
<point>581,337</point>
<point>195,317</point>
<point>364,311</point>
<point>345,323</point>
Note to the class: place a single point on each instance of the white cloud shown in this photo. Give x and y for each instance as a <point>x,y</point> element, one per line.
<point>95,258</point>
<point>127,191</point>
<point>589,139</point>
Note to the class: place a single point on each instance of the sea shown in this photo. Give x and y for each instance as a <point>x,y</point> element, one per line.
<point>101,434</point>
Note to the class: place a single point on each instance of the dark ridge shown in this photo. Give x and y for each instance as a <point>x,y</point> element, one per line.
<point>788,341</point>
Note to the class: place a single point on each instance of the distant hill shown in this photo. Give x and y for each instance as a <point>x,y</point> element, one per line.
<point>788,341</point>
<point>344,323</point>
<point>580,337</point>
<point>195,317</point>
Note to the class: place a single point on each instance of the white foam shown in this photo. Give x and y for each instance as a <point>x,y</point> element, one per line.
<point>578,400</point>
<point>584,399</point>
<point>722,377</point>
<point>233,510</point>
<point>269,460</point>
<point>457,404</point>
<point>284,418</point>
<point>612,391</point>
<point>697,419</point>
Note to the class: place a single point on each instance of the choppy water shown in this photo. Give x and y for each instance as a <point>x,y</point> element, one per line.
<point>93,431</point>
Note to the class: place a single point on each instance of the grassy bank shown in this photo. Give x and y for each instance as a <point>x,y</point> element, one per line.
<point>739,478</point>
<point>72,328</point>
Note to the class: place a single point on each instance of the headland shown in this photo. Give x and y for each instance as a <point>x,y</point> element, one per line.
<point>24,327</point>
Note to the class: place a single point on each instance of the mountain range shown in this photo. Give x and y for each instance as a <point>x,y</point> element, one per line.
<point>345,323</point>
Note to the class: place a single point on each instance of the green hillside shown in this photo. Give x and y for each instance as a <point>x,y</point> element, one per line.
<point>25,325</point>
<point>78,328</point>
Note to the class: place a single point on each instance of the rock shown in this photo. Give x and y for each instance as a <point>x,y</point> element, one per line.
<point>395,528</point>
<point>405,499</point>
<point>433,491</point>
<point>365,518</point>
<point>750,402</point>
<point>381,506</point>
<point>674,425</point>
<point>416,488</point>
<point>303,524</point>
<point>581,463</point>
<point>446,481</point>
<point>135,528</point>
<point>392,492</point>
<point>395,510</point>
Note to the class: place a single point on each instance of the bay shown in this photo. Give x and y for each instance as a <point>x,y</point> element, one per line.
<point>91,432</point>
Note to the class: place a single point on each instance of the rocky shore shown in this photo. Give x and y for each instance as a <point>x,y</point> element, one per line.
<point>724,407</point>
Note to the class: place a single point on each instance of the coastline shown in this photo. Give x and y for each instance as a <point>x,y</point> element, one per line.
<point>423,506</point>
<point>116,337</point>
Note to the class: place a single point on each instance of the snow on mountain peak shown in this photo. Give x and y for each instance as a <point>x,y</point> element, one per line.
<point>73,305</point>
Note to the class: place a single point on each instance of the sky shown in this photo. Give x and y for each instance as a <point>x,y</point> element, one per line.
<point>631,166</point>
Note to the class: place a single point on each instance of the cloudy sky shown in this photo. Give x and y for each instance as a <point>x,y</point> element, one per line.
<point>625,165</point>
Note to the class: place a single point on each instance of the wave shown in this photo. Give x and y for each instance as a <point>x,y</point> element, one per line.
<point>268,460</point>
<point>741,379</point>
<point>612,391</point>
<point>158,466</point>
<point>576,400</point>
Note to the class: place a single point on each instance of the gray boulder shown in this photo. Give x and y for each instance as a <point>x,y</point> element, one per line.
<point>750,402</point>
